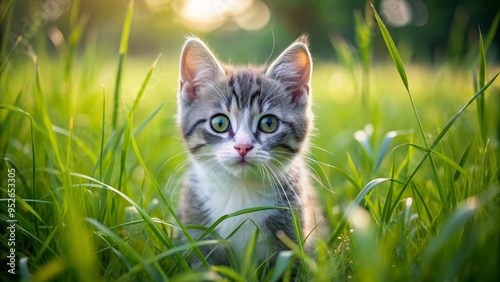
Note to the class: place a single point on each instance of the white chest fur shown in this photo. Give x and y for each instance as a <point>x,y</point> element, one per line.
<point>227,195</point>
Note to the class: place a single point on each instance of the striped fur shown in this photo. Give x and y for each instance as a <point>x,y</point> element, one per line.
<point>222,180</point>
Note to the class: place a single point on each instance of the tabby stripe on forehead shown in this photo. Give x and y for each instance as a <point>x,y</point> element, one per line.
<point>193,127</point>
<point>254,96</point>
<point>235,97</point>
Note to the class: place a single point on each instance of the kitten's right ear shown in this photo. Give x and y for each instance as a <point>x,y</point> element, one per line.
<point>198,68</point>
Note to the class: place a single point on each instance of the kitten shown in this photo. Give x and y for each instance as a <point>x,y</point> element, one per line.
<point>246,130</point>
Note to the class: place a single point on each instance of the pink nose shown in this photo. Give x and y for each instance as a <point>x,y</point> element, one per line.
<point>243,149</point>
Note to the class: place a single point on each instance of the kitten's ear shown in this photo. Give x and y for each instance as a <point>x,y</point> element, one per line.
<point>293,68</point>
<point>198,68</point>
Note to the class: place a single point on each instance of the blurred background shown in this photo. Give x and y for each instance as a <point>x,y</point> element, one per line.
<point>424,30</point>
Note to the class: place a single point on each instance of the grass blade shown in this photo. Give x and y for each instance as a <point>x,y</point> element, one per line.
<point>481,107</point>
<point>144,86</point>
<point>462,161</point>
<point>393,51</point>
<point>121,61</point>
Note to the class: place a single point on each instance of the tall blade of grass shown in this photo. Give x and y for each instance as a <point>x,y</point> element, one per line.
<point>351,180</point>
<point>103,130</point>
<point>393,51</point>
<point>355,175</point>
<point>388,199</point>
<point>144,86</point>
<point>363,37</point>
<point>103,194</point>
<point>148,119</point>
<point>76,31</point>
<point>462,161</point>
<point>484,166</point>
<point>125,148</point>
<point>28,208</point>
<point>121,61</point>
<point>441,134</point>
<point>481,107</point>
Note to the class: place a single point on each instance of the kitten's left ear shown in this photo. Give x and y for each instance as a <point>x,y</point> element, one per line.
<point>199,67</point>
<point>293,68</point>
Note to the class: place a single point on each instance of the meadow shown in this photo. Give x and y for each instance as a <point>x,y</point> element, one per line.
<point>405,158</point>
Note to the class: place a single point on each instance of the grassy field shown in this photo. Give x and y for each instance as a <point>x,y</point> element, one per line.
<point>408,173</point>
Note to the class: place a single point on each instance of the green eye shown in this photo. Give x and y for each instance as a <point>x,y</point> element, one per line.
<point>268,124</point>
<point>220,123</point>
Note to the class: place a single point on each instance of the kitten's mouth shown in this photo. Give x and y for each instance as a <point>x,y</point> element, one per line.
<point>242,164</point>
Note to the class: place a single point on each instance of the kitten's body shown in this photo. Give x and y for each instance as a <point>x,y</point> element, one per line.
<point>257,160</point>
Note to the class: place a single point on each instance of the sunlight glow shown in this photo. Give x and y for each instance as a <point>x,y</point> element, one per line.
<point>400,13</point>
<point>397,12</point>
<point>255,18</point>
<point>209,15</point>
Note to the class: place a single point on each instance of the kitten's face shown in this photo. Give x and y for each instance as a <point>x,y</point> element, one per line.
<point>244,121</point>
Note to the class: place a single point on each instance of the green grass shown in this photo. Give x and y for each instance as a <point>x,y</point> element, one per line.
<point>414,195</point>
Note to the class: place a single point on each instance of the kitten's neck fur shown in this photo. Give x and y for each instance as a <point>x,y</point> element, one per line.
<point>225,195</point>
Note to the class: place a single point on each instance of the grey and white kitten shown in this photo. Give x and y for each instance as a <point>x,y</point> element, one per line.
<point>247,130</point>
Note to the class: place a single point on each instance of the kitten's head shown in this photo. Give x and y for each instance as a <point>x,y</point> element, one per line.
<point>245,120</point>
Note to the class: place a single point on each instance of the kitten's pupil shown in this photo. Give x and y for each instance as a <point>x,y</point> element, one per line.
<point>220,123</point>
<point>268,123</point>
